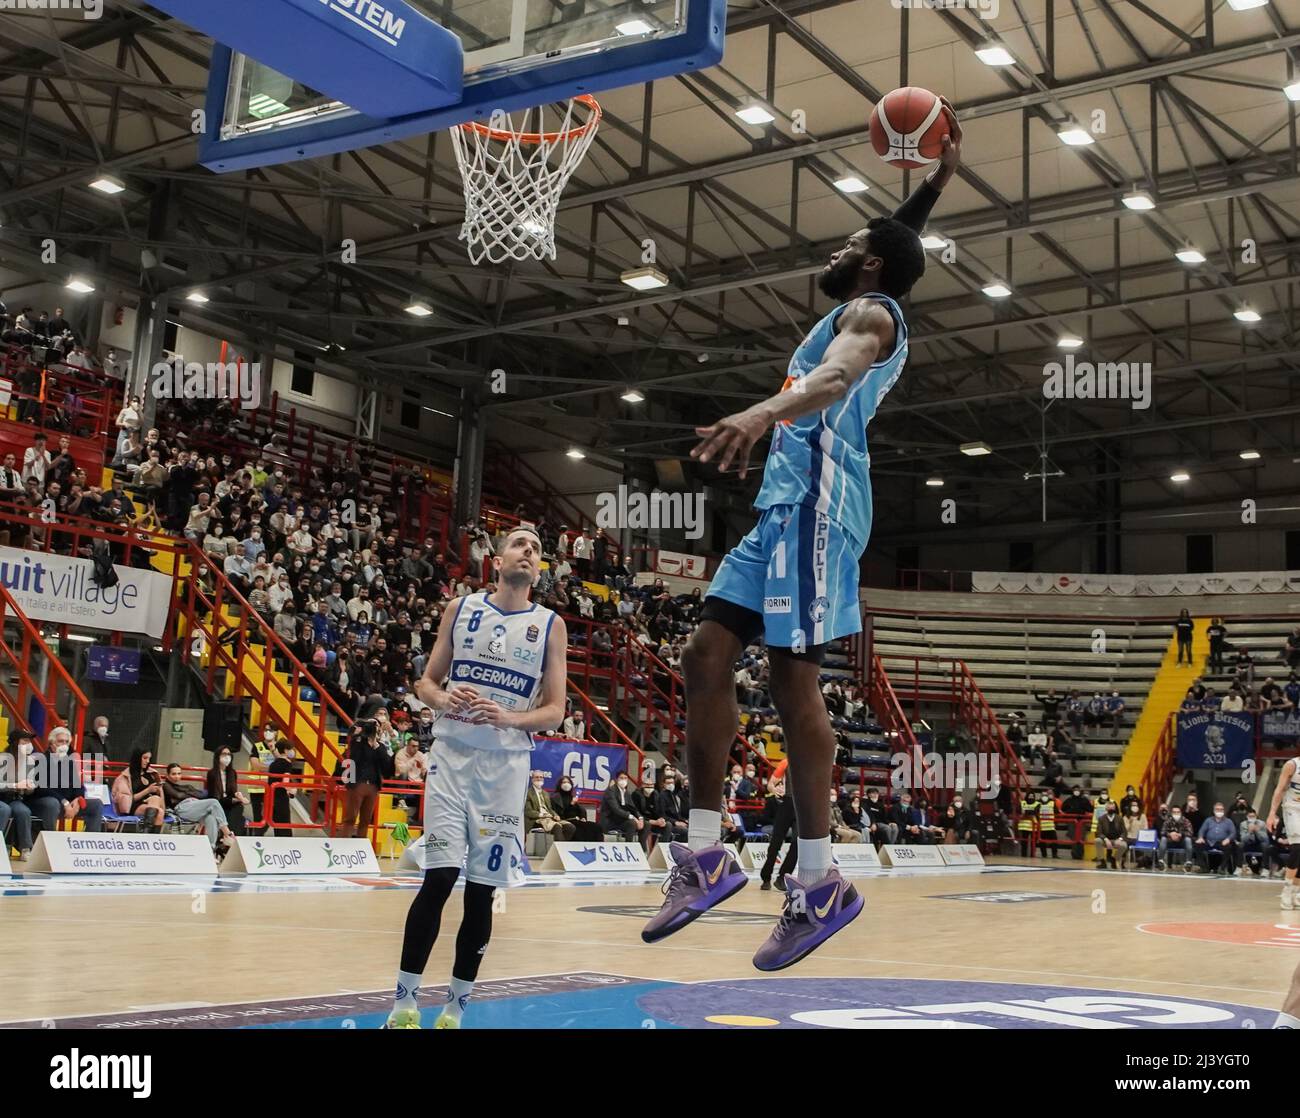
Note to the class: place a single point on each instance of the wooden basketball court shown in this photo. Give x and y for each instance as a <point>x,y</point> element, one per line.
<point>1010,945</point>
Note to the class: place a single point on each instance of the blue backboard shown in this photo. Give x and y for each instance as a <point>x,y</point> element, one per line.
<point>516,54</point>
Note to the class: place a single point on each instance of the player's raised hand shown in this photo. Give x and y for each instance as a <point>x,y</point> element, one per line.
<point>730,440</point>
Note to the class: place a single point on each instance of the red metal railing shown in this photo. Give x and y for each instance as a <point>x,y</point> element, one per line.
<point>238,644</point>
<point>59,689</point>
<point>884,703</point>
<point>1158,779</point>
<point>593,714</point>
<point>951,682</point>
<point>65,398</point>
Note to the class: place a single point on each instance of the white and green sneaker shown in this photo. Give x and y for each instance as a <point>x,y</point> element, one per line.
<point>404,1019</point>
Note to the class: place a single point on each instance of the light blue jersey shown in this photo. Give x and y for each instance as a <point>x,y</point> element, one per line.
<point>821,461</point>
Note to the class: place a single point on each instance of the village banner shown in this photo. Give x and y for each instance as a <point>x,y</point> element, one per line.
<point>61,589</point>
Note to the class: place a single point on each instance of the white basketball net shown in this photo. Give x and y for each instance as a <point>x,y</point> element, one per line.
<point>514,177</point>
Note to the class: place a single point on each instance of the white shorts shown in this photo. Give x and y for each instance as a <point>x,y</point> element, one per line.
<point>474,812</point>
<point>1290,817</point>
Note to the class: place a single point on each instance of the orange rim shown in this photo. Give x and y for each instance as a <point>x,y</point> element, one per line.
<point>541,137</point>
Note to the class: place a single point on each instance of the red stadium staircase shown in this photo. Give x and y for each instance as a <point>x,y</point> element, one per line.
<point>36,691</point>
<point>241,657</point>
<point>946,682</point>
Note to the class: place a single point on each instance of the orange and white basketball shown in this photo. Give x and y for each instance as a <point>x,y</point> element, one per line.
<point>908,126</point>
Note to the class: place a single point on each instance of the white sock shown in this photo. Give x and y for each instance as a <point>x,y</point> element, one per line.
<point>1286,1021</point>
<point>407,984</point>
<point>703,828</point>
<point>457,998</point>
<point>814,860</point>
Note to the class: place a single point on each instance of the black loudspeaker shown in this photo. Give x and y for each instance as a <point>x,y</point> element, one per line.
<point>222,726</point>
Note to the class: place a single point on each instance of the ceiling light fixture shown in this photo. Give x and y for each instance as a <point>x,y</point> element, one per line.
<point>755,114</point>
<point>644,279</point>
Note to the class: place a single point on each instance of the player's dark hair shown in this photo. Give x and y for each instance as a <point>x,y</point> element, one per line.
<point>900,250</point>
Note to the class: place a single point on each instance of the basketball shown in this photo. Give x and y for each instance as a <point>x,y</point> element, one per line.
<point>908,126</point>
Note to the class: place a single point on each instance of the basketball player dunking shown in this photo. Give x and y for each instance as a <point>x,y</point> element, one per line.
<point>794,579</point>
<point>497,674</point>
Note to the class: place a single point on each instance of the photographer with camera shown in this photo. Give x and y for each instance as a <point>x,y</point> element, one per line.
<point>367,763</point>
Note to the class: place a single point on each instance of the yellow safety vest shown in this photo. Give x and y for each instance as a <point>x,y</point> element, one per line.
<point>1028,809</point>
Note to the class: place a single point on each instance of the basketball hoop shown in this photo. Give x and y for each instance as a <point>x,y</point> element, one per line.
<point>514,178</point>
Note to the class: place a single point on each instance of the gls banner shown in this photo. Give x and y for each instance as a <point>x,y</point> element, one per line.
<point>60,589</point>
<point>590,767</point>
<point>1215,740</point>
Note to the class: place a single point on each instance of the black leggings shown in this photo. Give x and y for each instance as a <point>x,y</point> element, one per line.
<point>783,824</point>
<point>425,918</point>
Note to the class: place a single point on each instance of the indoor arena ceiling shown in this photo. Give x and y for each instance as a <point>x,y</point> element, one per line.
<point>1184,99</point>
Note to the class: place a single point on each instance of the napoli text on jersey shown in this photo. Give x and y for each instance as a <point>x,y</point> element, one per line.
<point>821,460</point>
<point>501,656</point>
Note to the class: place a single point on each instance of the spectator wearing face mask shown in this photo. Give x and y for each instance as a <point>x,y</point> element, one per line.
<point>424,728</point>
<point>96,741</point>
<point>1113,709</point>
<point>410,764</point>
<point>1177,834</point>
<point>1193,813</point>
<point>190,807</point>
<point>1111,838</point>
<point>909,819</point>
<point>879,827</point>
<point>616,811</point>
<point>540,813</point>
<point>283,757</point>
<point>669,807</point>
<point>64,794</point>
<point>961,823</point>
<point>738,787</point>
<point>778,812</point>
<point>222,785</point>
<point>1216,843</point>
<point>566,806</point>
<point>1076,803</point>
<point>1255,843</point>
<point>840,829</point>
<point>15,815</point>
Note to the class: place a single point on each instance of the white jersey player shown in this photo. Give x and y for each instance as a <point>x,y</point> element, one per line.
<point>1287,798</point>
<point>497,674</point>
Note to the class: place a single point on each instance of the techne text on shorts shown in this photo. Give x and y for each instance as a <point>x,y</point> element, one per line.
<point>102,1073</point>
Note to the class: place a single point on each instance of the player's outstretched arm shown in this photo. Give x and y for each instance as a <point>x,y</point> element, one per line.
<point>915,212</point>
<point>866,330</point>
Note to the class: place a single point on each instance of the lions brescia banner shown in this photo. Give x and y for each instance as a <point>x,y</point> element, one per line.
<point>1241,582</point>
<point>61,589</point>
<point>1214,740</point>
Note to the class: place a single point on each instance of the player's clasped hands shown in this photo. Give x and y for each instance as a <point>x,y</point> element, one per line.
<point>460,698</point>
<point>485,712</point>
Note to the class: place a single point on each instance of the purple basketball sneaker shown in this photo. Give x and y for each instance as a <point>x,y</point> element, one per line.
<point>810,917</point>
<point>698,881</point>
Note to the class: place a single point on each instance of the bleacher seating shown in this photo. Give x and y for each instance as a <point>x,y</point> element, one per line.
<point>1014,659</point>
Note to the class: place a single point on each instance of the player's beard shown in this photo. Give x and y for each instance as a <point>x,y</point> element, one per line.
<point>839,281</point>
<point>518,580</point>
